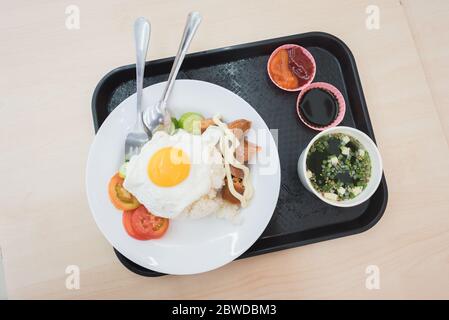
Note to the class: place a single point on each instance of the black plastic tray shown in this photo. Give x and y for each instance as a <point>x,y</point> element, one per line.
<point>299,217</point>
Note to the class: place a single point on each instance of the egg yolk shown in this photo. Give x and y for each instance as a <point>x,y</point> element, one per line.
<point>168,167</point>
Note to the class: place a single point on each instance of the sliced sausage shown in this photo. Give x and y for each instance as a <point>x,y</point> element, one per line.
<point>226,193</point>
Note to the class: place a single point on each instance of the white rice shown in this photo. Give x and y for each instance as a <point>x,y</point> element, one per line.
<point>212,204</point>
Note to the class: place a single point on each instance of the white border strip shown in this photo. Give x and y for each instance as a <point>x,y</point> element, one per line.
<point>3,295</point>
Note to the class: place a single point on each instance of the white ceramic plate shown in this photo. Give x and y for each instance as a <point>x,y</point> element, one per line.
<point>189,246</point>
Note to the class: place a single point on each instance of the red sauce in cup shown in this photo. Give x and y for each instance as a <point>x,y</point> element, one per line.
<point>291,67</point>
<point>300,64</point>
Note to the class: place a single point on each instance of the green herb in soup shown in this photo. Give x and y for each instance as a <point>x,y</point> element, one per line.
<point>338,166</point>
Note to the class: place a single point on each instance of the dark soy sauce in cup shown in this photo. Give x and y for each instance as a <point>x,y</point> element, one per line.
<point>318,107</point>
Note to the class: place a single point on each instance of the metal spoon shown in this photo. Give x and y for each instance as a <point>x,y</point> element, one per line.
<point>158,116</point>
<point>139,135</point>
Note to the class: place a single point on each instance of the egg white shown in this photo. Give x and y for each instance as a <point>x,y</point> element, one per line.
<point>206,172</point>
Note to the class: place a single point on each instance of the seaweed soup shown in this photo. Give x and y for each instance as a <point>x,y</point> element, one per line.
<point>338,166</point>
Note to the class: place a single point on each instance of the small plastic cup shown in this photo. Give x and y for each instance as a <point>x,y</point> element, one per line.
<point>306,53</point>
<point>333,91</point>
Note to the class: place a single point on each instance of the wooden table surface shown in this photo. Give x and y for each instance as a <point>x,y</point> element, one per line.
<point>48,74</point>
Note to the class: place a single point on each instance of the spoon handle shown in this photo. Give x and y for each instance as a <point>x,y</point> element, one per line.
<point>193,21</point>
<point>142,30</point>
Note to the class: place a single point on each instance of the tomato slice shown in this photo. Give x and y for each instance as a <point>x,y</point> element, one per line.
<point>126,219</point>
<point>146,225</point>
<point>120,197</point>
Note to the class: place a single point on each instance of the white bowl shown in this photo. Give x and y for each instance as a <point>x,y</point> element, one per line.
<point>376,167</point>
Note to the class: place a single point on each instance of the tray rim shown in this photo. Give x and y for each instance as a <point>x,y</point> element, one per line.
<point>363,105</point>
<point>329,36</point>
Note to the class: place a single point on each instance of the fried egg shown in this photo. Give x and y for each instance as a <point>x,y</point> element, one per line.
<point>172,172</point>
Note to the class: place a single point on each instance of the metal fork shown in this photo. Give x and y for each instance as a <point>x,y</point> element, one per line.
<point>157,116</point>
<point>139,135</point>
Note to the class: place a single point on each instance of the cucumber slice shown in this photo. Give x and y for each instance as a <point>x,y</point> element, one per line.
<point>122,170</point>
<point>175,122</point>
<point>172,128</point>
<point>191,122</point>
